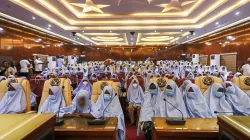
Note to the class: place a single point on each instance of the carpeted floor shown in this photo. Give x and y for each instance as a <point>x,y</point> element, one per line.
<point>131,133</point>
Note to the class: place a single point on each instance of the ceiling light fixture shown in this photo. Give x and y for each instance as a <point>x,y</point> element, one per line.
<point>90,6</point>
<point>33,18</point>
<point>217,23</point>
<point>237,13</point>
<point>1,29</point>
<point>49,25</point>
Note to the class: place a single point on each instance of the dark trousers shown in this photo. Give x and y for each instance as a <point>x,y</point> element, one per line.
<point>25,74</point>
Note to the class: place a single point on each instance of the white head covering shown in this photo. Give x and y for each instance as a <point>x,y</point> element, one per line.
<point>114,109</point>
<point>237,99</point>
<point>135,94</point>
<point>216,101</point>
<point>89,107</point>
<point>196,104</point>
<point>13,102</point>
<point>53,102</point>
<point>173,96</point>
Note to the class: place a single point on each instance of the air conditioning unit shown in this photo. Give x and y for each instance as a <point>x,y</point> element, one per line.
<point>195,58</point>
<point>215,60</point>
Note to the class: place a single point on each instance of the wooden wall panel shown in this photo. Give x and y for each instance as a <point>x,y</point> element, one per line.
<point>229,60</point>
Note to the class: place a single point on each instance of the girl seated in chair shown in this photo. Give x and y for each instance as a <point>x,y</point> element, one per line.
<point>81,106</point>
<point>54,101</point>
<point>14,100</point>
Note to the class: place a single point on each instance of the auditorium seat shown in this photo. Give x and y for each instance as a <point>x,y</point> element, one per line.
<point>99,85</point>
<point>204,82</point>
<point>179,82</point>
<point>26,87</point>
<point>66,89</point>
<point>157,81</point>
<point>243,82</point>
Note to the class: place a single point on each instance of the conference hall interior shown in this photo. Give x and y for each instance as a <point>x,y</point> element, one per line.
<point>125,69</point>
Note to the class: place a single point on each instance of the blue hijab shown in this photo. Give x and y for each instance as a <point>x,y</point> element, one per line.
<point>90,107</point>
<point>83,86</point>
<point>238,99</point>
<point>173,96</point>
<point>184,85</point>
<point>135,93</point>
<point>150,107</point>
<point>196,104</point>
<point>113,110</point>
<point>216,101</point>
<point>13,102</point>
<point>53,102</point>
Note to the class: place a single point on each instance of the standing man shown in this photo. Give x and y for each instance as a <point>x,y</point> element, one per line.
<point>246,68</point>
<point>60,62</point>
<point>38,65</point>
<point>25,64</point>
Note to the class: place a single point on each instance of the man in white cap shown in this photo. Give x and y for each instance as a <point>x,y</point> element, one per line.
<point>246,68</point>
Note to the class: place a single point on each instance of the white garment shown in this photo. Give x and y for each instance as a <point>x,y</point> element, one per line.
<point>60,62</point>
<point>246,70</point>
<point>38,67</point>
<point>24,65</point>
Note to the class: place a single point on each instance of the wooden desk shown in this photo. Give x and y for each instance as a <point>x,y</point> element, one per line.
<point>234,127</point>
<point>197,128</point>
<point>26,126</point>
<point>77,128</point>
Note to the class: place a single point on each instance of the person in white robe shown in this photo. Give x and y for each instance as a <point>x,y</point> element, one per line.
<point>54,101</point>
<point>109,105</point>
<point>14,100</point>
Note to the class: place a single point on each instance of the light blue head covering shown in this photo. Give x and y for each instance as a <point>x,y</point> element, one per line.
<point>53,102</point>
<point>89,107</point>
<point>216,101</point>
<point>135,94</point>
<point>150,107</point>
<point>237,99</point>
<point>196,104</point>
<point>190,75</point>
<point>82,86</point>
<point>113,110</point>
<point>13,102</point>
<point>173,96</point>
<point>184,85</point>
<point>2,78</point>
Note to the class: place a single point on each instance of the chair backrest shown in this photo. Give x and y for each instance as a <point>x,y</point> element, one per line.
<point>66,89</point>
<point>98,86</point>
<point>243,82</point>
<point>204,82</point>
<point>26,87</point>
<point>179,82</point>
<point>155,79</point>
<point>36,86</point>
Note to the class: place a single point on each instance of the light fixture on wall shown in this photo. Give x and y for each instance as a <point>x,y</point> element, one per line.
<point>208,43</point>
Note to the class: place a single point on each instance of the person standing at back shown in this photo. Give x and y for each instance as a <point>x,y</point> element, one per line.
<point>246,68</point>
<point>25,64</point>
<point>60,62</point>
<point>38,65</point>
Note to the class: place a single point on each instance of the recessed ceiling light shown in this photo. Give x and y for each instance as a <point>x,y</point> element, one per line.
<point>187,36</point>
<point>181,30</point>
<point>110,31</point>
<point>1,29</point>
<point>237,13</point>
<point>97,48</point>
<point>49,25</point>
<point>83,31</point>
<point>33,18</point>
<point>155,31</point>
<point>78,38</point>
<point>48,28</point>
<point>217,23</point>
<point>208,43</point>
